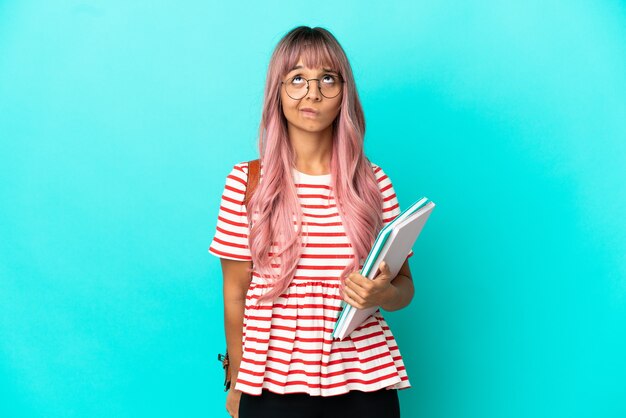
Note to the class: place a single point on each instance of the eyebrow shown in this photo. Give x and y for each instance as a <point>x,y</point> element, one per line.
<point>329,70</point>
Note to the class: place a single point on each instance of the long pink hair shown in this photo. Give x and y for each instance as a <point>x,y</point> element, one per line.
<point>277,213</point>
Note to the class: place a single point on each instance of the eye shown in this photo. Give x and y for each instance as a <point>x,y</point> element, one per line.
<point>329,79</point>
<point>297,80</point>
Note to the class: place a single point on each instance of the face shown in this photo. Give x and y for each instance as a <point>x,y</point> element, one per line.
<point>324,110</point>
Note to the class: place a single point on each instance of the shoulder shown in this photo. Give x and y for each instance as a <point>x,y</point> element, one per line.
<point>379,173</point>
<point>384,184</point>
<point>242,167</point>
<point>238,175</point>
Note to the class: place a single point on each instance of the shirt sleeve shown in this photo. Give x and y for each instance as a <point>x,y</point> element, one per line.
<point>391,207</point>
<point>232,229</point>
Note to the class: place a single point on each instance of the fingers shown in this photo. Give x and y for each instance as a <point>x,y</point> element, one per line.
<point>361,292</point>
<point>353,297</point>
<point>357,281</point>
<point>232,406</point>
<point>353,302</point>
<point>384,269</point>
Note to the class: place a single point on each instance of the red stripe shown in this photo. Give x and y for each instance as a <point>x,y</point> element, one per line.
<point>372,346</point>
<point>322,256</point>
<point>231,200</point>
<point>313,215</point>
<point>335,373</point>
<point>303,306</point>
<point>291,317</point>
<point>228,221</point>
<point>391,208</point>
<point>330,386</point>
<point>322,245</point>
<point>304,295</point>
<point>366,336</point>
<point>225,254</point>
<point>315,196</point>
<point>234,212</point>
<point>324,281</point>
<point>325,234</point>
<point>291,329</point>
<point>322,223</point>
<point>319,374</point>
<point>242,246</point>
<point>296,284</point>
<point>292,361</point>
<point>232,177</point>
<point>312,186</point>
<point>327,256</point>
<point>290,340</point>
<point>365,326</point>
<point>318,206</point>
<point>315,353</point>
<point>303,267</point>
<point>316,362</point>
<point>235,190</point>
<point>233,234</point>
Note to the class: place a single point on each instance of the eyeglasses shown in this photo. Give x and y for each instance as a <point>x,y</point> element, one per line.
<point>297,87</point>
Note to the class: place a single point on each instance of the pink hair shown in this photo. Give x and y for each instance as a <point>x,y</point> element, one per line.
<point>275,201</point>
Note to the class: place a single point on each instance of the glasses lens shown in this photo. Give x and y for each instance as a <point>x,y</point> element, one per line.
<point>296,87</point>
<point>330,86</point>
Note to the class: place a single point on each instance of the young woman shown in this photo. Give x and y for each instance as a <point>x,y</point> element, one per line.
<point>294,253</point>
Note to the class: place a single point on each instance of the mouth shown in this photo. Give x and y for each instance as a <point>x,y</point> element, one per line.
<point>308,112</point>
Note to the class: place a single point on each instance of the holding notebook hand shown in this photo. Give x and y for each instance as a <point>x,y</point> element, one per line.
<point>391,248</point>
<point>362,292</point>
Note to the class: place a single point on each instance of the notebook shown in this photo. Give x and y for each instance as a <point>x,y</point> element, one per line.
<point>393,245</point>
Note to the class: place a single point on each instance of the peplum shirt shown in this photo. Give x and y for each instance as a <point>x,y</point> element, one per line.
<point>287,343</point>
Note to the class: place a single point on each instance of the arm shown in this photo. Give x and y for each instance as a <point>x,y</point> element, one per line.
<point>236,283</point>
<point>400,291</point>
<point>390,294</point>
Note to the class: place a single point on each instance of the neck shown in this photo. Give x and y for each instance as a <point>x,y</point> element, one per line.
<point>313,150</point>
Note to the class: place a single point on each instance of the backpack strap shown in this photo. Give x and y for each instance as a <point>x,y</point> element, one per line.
<point>254,170</point>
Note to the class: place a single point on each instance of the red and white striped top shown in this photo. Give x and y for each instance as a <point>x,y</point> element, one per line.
<point>287,343</point>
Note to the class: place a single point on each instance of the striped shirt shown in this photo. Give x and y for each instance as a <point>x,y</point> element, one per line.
<point>287,343</point>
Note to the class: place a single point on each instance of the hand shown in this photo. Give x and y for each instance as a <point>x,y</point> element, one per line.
<point>361,292</point>
<point>232,401</point>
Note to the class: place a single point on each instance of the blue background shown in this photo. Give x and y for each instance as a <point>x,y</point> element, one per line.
<point>119,121</point>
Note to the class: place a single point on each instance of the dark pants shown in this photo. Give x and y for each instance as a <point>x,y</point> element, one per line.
<point>377,404</point>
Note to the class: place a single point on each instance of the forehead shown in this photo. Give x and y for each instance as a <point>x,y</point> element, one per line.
<point>300,66</point>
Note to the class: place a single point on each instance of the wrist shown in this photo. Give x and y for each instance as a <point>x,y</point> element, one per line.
<point>390,297</point>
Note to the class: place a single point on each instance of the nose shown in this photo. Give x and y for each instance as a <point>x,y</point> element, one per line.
<point>314,90</point>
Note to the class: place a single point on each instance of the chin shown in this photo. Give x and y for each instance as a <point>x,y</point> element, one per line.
<point>315,129</point>
<point>317,125</point>
<point>309,126</point>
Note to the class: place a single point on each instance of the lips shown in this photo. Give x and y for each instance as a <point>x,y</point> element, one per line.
<point>309,111</point>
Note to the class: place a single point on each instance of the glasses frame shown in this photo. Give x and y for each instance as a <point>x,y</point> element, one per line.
<point>319,86</point>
